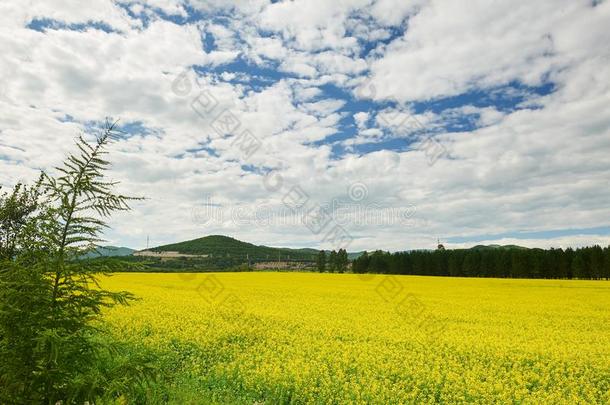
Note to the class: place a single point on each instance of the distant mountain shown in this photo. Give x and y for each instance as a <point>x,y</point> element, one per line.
<point>108,251</point>
<point>225,246</point>
<point>486,247</point>
<point>354,255</point>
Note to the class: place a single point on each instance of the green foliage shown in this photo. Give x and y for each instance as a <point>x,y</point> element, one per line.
<point>332,261</point>
<point>16,211</point>
<point>338,261</point>
<point>342,261</point>
<point>321,261</point>
<point>50,304</point>
<point>513,261</point>
<point>361,265</point>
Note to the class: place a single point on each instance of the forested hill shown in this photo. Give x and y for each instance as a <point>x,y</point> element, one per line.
<point>224,246</point>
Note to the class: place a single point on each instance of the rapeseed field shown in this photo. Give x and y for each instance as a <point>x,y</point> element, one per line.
<point>345,338</point>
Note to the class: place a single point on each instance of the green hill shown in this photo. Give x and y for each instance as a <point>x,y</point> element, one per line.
<point>224,246</point>
<point>354,255</point>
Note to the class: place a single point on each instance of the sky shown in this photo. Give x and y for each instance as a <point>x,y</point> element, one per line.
<point>367,125</point>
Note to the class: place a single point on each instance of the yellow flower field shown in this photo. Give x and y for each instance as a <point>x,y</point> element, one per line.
<point>344,338</point>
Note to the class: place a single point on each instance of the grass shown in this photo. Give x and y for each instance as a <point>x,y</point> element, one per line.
<point>337,338</point>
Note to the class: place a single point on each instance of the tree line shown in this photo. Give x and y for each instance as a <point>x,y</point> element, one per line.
<point>336,262</point>
<point>592,263</point>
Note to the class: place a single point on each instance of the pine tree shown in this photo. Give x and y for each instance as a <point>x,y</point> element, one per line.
<point>321,261</point>
<point>332,262</point>
<point>378,262</point>
<point>606,268</point>
<point>471,263</point>
<point>455,264</point>
<point>578,265</point>
<point>342,261</point>
<point>361,264</point>
<point>597,262</point>
<point>50,303</point>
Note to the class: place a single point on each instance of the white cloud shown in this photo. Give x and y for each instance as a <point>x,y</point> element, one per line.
<point>267,47</point>
<point>361,119</point>
<point>543,167</point>
<point>394,12</point>
<point>449,49</point>
<point>300,68</point>
<point>71,12</point>
<point>169,7</point>
<point>324,107</point>
<point>311,25</point>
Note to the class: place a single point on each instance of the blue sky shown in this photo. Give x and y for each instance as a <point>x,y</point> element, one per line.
<point>474,126</point>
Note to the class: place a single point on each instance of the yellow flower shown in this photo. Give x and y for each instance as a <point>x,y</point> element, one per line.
<point>338,338</point>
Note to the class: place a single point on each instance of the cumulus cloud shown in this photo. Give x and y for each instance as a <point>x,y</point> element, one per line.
<point>333,94</point>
